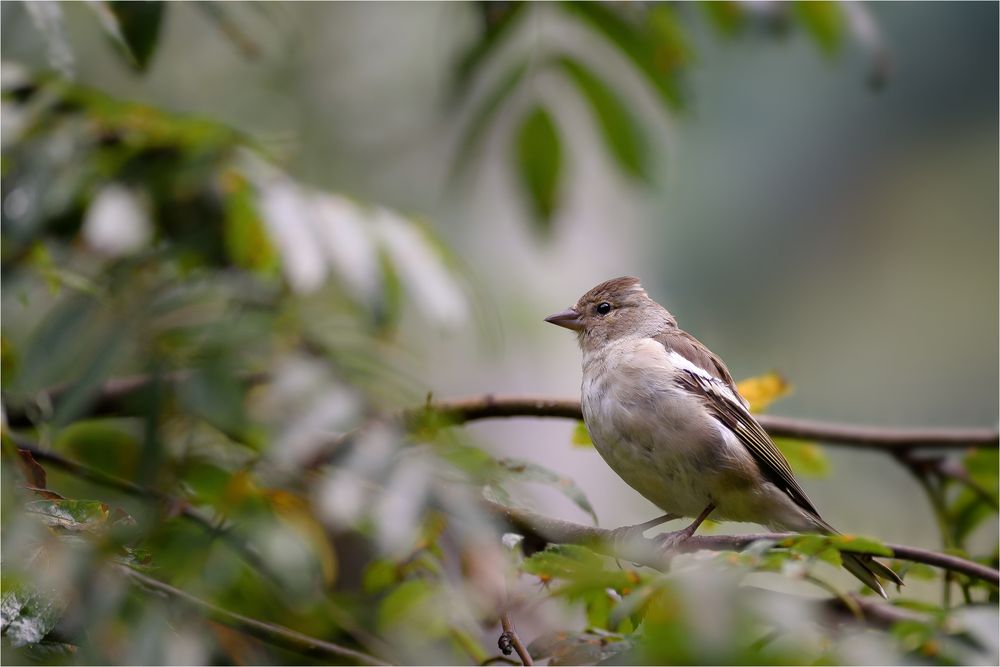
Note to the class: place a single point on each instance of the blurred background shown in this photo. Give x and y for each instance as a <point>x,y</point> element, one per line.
<point>816,199</point>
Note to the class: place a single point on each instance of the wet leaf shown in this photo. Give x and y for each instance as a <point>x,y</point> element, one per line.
<point>539,165</point>
<point>27,615</point>
<point>73,515</point>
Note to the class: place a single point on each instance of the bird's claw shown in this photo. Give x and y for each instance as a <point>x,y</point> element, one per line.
<point>671,541</point>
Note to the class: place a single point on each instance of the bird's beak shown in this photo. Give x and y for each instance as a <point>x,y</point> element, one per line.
<point>569,319</point>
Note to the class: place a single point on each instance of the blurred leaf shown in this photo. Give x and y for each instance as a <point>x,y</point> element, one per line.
<point>618,126</point>
<point>806,458</point>
<point>727,16</point>
<point>135,26</point>
<point>578,648</point>
<point>215,393</point>
<point>539,165</point>
<point>824,21</point>
<point>868,545</point>
<point>762,390</point>
<point>26,615</point>
<point>656,46</point>
<point>499,18</point>
<point>247,243</point>
<point>34,474</point>
<point>983,466</point>
<point>581,436</point>
<point>107,444</point>
<point>74,515</point>
<point>474,133</point>
<point>526,471</point>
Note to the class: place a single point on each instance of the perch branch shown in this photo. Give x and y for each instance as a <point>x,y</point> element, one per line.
<point>644,551</point>
<point>849,435</point>
<point>115,396</point>
<point>270,633</point>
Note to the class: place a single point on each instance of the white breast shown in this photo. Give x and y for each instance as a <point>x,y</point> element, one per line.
<point>656,436</point>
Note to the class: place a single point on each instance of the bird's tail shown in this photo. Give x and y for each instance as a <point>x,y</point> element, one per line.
<point>869,571</point>
<point>863,566</point>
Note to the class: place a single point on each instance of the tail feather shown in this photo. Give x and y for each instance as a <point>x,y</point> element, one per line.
<point>868,570</point>
<point>863,566</point>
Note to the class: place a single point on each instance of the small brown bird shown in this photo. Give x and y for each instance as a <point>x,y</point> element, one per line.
<point>665,414</point>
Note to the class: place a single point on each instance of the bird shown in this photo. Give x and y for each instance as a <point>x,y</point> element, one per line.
<point>664,412</point>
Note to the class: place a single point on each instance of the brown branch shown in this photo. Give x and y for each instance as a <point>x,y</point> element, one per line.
<point>870,437</point>
<point>270,633</point>
<point>172,504</point>
<point>645,551</point>
<point>115,398</point>
<point>510,634</point>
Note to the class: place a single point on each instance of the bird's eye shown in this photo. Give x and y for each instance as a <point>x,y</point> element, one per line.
<point>603,308</point>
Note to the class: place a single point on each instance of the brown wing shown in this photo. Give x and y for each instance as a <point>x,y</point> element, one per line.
<point>690,348</point>
<point>730,409</point>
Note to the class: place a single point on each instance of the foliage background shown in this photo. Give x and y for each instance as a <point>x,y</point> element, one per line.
<point>789,215</point>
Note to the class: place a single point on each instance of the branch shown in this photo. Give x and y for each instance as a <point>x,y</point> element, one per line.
<point>178,505</point>
<point>867,437</point>
<point>645,551</point>
<point>115,396</point>
<point>271,633</point>
<point>510,635</point>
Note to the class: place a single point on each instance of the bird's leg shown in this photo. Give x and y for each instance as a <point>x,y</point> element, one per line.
<point>626,534</point>
<point>669,541</point>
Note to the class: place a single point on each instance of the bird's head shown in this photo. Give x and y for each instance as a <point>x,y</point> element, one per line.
<point>615,309</point>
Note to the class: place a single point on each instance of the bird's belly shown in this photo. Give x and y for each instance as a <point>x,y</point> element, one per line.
<point>655,445</point>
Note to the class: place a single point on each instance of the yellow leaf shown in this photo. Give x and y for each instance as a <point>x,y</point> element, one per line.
<point>762,390</point>
<point>581,436</point>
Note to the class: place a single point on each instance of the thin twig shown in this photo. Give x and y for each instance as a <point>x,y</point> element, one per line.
<point>271,633</point>
<point>181,507</point>
<point>511,634</point>
<point>645,552</point>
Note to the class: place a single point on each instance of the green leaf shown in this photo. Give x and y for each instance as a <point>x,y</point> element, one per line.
<point>26,615</point>
<point>618,126</point>
<point>859,544</point>
<point>539,165</point>
<point>482,118</point>
<point>806,458</point>
<point>499,18</point>
<point>983,466</point>
<point>531,472</point>
<point>106,444</point>
<point>824,21</point>
<point>581,436</point>
<point>246,240</point>
<point>74,515</point>
<point>726,16</point>
<point>656,46</point>
<point>138,28</point>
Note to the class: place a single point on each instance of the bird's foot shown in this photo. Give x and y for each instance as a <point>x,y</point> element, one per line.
<point>624,535</point>
<point>672,540</point>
